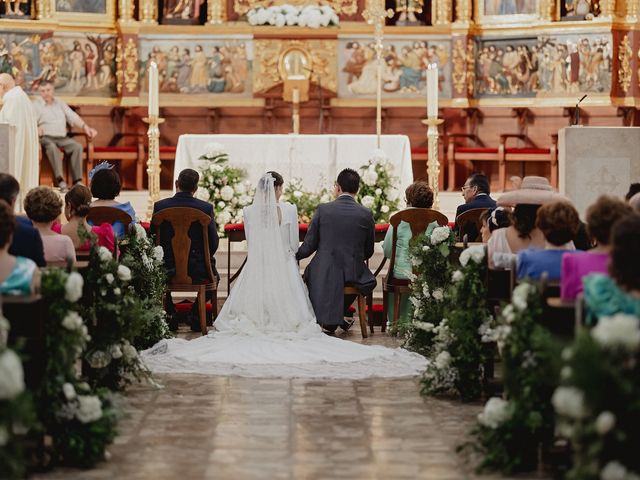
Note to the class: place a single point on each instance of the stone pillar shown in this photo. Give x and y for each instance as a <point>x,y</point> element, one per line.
<point>149,12</point>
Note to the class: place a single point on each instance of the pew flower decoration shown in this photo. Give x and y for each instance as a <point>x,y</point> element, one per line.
<point>378,187</point>
<point>314,16</point>
<point>224,186</point>
<point>598,400</point>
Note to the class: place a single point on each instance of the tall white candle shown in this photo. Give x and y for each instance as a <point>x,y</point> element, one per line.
<point>153,89</point>
<point>432,90</point>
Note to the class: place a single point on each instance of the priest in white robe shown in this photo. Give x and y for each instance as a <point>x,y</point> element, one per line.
<point>18,111</point>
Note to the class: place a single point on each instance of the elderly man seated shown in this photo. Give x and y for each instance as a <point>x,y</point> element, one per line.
<point>53,116</point>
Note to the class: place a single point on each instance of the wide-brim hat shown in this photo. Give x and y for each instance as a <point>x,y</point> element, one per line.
<point>533,191</point>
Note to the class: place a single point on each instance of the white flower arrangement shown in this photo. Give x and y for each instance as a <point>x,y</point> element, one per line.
<point>367,201</point>
<point>619,331</point>
<point>474,253</point>
<point>73,287</point>
<point>158,254</point>
<point>11,375</point>
<point>378,187</point>
<point>439,235</point>
<point>569,401</point>
<point>290,15</point>
<point>495,413</point>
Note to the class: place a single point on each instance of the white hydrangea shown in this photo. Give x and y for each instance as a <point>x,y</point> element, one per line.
<point>367,201</point>
<point>391,194</point>
<point>370,177</point>
<point>227,193</point>
<point>443,360</point>
<point>202,194</point>
<point>11,375</point>
<point>89,408</point>
<point>224,217</point>
<point>569,402</point>
<point>495,413</point>
<point>378,191</point>
<point>605,422</point>
<point>69,391</point>
<point>72,321</point>
<point>457,276</point>
<point>158,254</point>
<point>105,254</point>
<point>619,331</point>
<point>475,253</point>
<point>438,294</point>
<point>439,235</point>
<point>124,273</point>
<point>73,287</point>
<point>140,232</point>
<point>384,208</point>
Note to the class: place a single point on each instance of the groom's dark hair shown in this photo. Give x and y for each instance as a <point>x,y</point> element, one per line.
<point>277,177</point>
<point>349,180</point>
<point>188,180</point>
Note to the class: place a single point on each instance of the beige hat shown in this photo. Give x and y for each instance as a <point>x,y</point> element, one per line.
<point>533,191</point>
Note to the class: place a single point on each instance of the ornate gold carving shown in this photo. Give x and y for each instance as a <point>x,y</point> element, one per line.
<point>149,11</point>
<point>267,52</point>
<point>45,9</point>
<point>126,66</point>
<point>441,12</point>
<point>344,7</point>
<point>125,13</point>
<point>119,69</point>
<point>607,8</point>
<point>216,12</point>
<point>471,72</point>
<point>463,11</point>
<point>459,69</point>
<point>624,69</point>
<point>547,10</point>
<point>631,10</point>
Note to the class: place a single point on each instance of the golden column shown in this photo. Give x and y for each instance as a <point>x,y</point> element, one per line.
<point>149,12</point>
<point>631,10</point>
<point>607,8</point>
<point>44,9</point>
<point>216,12</point>
<point>548,10</point>
<point>126,8</point>
<point>463,11</point>
<point>441,12</point>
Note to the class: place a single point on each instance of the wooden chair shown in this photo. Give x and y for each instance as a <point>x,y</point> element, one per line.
<point>467,154</point>
<point>418,219</point>
<point>124,153</point>
<point>362,309</point>
<point>470,216</point>
<point>100,215</point>
<point>45,165</point>
<point>180,219</point>
<point>528,153</point>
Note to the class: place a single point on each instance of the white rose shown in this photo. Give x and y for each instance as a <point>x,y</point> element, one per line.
<point>89,408</point>
<point>226,193</point>
<point>391,194</point>
<point>68,391</point>
<point>439,235</point>
<point>367,201</point>
<point>105,254</point>
<point>438,294</point>
<point>495,413</point>
<point>457,276</point>
<point>124,273</point>
<point>72,321</point>
<point>619,331</point>
<point>158,254</point>
<point>384,208</point>
<point>240,188</point>
<point>605,422</point>
<point>370,177</point>
<point>378,191</point>
<point>141,233</point>
<point>11,375</point>
<point>569,402</point>
<point>443,359</point>
<point>221,204</point>
<point>4,436</point>
<point>297,194</point>
<point>614,471</point>
<point>109,278</point>
<point>115,351</point>
<point>73,287</point>
<point>224,217</point>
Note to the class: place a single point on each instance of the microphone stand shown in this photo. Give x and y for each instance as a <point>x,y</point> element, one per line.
<point>576,115</point>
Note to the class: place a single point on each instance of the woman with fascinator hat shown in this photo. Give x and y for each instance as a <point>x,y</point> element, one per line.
<point>267,326</point>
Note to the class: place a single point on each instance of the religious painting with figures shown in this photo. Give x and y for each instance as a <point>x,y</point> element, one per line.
<point>183,12</point>
<point>81,6</point>
<point>404,64</point>
<point>96,12</point>
<point>506,11</point>
<point>199,65</point>
<point>15,9</point>
<point>559,65</point>
<point>19,55</point>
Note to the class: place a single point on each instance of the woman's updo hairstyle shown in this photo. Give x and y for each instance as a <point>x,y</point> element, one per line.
<point>279,181</point>
<point>79,199</point>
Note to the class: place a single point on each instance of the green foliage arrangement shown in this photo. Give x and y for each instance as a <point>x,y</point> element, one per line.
<point>81,420</point>
<point>378,187</point>
<point>598,401</point>
<point>148,279</point>
<point>17,415</point>
<point>306,202</point>
<point>510,432</point>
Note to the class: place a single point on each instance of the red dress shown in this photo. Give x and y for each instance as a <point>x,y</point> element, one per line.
<point>104,233</point>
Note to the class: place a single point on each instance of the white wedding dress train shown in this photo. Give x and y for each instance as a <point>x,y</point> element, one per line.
<point>267,327</point>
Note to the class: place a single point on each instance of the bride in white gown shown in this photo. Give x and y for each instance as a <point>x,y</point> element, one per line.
<point>267,327</point>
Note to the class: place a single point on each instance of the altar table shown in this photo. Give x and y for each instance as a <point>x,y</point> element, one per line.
<point>315,159</point>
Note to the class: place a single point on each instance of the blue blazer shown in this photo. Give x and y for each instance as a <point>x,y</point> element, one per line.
<point>196,268</point>
<point>481,201</point>
<point>27,242</point>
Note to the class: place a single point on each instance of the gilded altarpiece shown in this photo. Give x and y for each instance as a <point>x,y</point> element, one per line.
<point>346,9</point>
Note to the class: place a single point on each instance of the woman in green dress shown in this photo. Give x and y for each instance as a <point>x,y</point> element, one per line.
<point>418,195</point>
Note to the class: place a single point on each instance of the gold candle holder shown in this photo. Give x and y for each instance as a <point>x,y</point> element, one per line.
<point>153,162</point>
<point>433,162</point>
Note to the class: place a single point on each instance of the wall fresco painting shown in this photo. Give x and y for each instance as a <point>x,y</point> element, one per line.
<point>404,66</point>
<point>199,65</point>
<point>544,66</point>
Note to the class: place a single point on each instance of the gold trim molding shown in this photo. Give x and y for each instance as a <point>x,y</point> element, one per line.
<point>344,7</point>
<point>624,70</point>
<point>459,67</point>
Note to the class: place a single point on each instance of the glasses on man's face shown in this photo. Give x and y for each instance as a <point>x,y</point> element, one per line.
<point>465,188</point>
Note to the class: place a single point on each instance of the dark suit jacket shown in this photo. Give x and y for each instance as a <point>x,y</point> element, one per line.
<point>27,242</point>
<point>342,235</point>
<point>481,201</point>
<point>196,267</point>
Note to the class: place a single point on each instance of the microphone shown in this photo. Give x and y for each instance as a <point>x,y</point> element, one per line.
<point>576,115</point>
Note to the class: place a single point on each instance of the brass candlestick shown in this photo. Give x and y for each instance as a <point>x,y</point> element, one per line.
<point>153,162</point>
<point>433,163</point>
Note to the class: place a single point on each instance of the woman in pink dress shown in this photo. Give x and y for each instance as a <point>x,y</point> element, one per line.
<point>601,216</point>
<point>77,203</point>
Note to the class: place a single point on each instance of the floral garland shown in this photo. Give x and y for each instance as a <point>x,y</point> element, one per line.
<point>313,16</point>
<point>509,432</point>
<point>81,420</point>
<point>598,402</point>
<point>378,190</point>
<point>17,413</point>
<point>223,186</point>
<point>306,202</point>
<point>457,357</point>
<point>429,254</point>
<point>148,279</point>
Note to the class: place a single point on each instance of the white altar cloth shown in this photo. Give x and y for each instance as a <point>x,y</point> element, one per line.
<point>315,159</point>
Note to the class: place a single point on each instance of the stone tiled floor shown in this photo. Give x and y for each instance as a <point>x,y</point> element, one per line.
<point>200,427</point>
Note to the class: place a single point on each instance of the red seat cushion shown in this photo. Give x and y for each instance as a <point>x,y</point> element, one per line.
<point>377,308</point>
<point>186,307</point>
<point>526,150</point>
<point>115,149</point>
<point>234,227</point>
<point>476,150</point>
<point>146,226</point>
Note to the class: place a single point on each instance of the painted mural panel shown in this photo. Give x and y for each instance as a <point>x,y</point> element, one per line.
<point>404,66</point>
<point>199,64</point>
<point>544,66</point>
<point>81,6</point>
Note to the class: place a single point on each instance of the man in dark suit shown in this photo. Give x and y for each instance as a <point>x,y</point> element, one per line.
<point>475,192</point>
<point>342,235</point>
<point>26,239</point>
<point>186,186</point>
